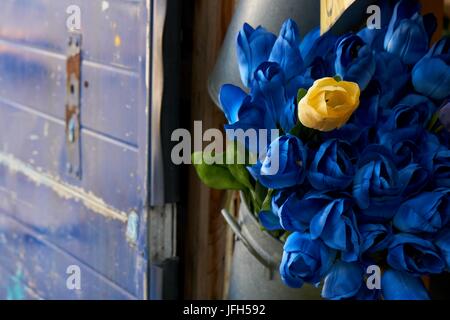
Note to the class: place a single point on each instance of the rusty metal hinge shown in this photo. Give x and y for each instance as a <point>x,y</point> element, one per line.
<point>73,100</point>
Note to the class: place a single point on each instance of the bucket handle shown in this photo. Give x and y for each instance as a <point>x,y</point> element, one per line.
<point>236,228</point>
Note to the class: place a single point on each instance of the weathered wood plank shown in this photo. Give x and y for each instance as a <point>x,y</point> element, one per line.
<point>206,230</point>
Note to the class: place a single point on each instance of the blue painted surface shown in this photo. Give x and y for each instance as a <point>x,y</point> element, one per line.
<point>49,220</point>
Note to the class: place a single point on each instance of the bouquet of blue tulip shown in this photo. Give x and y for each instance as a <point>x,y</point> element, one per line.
<point>363,154</point>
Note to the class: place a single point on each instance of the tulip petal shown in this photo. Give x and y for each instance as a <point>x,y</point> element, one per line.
<point>269,220</point>
<point>431,77</point>
<point>286,50</point>
<point>253,47</point>
<point>308,41</point>
<point>415,215</point>
<point>443,243</point>
<point>397,285</point>
<point>231,99</point>
<point>344,281</point>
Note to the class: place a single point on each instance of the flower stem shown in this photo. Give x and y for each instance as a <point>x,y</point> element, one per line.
<point>433,121</point>
<point>439,129</point>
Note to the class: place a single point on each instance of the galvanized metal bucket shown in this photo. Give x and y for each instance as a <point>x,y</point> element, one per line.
<point>256,259</point>
<point>268,13</point>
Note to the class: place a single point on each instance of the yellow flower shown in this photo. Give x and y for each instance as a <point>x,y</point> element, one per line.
<point>328,104</point>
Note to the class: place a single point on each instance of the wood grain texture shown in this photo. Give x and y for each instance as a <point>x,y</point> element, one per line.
<point>205,245</point>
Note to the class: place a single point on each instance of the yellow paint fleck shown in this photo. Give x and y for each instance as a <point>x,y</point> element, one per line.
<point>117,41</point>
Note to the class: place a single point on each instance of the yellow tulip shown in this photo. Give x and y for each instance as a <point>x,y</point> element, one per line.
<point>328,104</point>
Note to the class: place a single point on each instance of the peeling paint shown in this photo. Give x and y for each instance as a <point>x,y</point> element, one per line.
<point>105,5</point>
<point>33,137</point>
<point>117,41</point>
<point>63,189</point>
<point>132,227</point>
<point>16,290</point>
<point>46,126</point>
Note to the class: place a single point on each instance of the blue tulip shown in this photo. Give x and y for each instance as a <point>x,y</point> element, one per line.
<point>413,110</point>
<point>374,38</point>
<point>414,178</point>
<point>332,167</point>
<point>377,186</point>
<point>344,281</point>
<point>431,75</point>
<point>288,118</point>
<point>280,197</point>
<point>411,144</point>
<point>375,237</point>
<point>305,260</point>
<point>309,41</point>
<point>318,53</point>
<point>315,45</point>
<point>269,85</point>
<point>368,112</point>
<point>414,255</point>
<point>270,89</point>
<point>441,169</point>
<point>397,285</point>
<point>296,210</point>
<point>428,212</point>
<point>253,47</point>
<point>392,76</point>
<point>336,225</point>
<point>408,33</point>
<point>358,136</point>
<point>251,115</point>
<point>443,243</point>
<point>284,165</point>
<point>444,115</point>
<point>354,60</point>
<point>286,50</point>
<point>318,69</point>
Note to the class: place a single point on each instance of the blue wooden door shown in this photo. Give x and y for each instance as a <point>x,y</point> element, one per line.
<point>50,219</point>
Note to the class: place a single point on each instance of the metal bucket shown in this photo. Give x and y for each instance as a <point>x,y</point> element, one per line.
<point>256,259</point>
<point>268,13</point>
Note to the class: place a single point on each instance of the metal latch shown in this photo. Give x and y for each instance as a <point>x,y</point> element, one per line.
<point>73,126</point>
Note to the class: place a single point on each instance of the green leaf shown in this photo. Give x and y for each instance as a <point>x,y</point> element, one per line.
<point>238,169</point>
<point>216,176</point>
<point>236,153</point>
<point>433,121</point>
<point>267,203</point>
<point>296,131</point>
<point>241,175</point>
<point>300,94</point>
<point>260,194</point>
<point>284,236</point>
<point>337,78</point>
<point>307,135</point>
